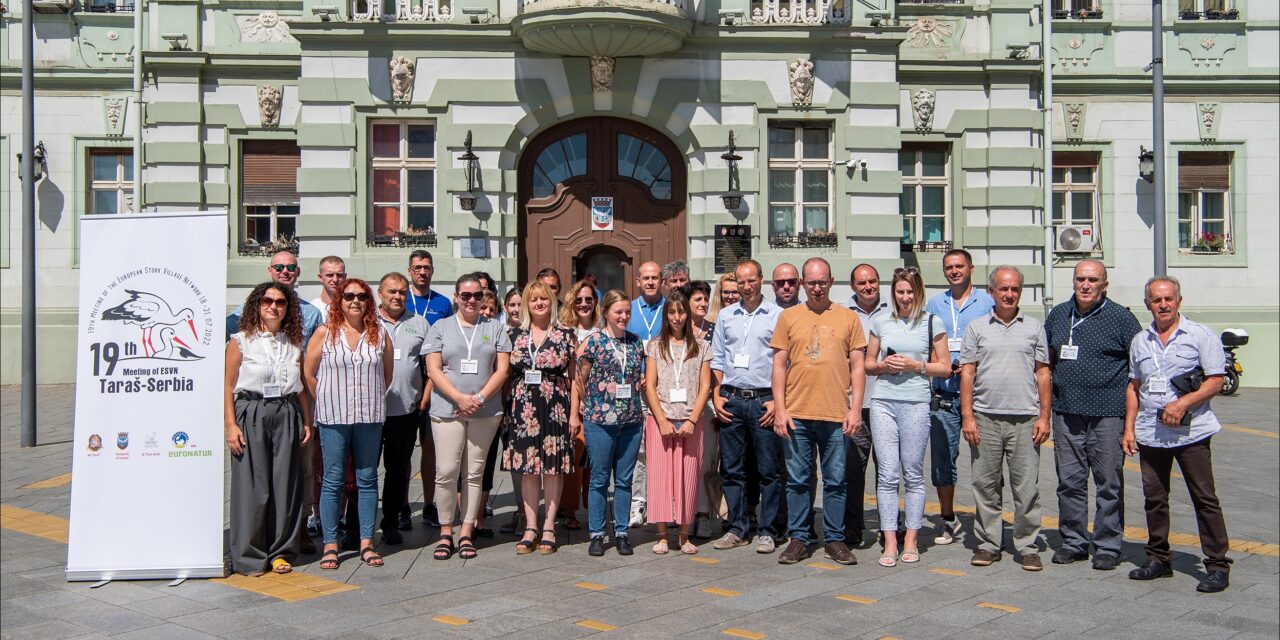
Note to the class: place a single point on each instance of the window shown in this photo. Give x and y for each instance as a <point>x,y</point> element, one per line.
<point>108,6</point>
<point>561,160</point>
<point>924,202</point>
<point>111,181</point>
<point>403,177</point>
<point>268,195</point>
<point>800,180</point>
<point>1207,9</point>
<point>1075,188</point>
<point>1204,203</point>
<point>1077,9</point>
<point>645,164</point>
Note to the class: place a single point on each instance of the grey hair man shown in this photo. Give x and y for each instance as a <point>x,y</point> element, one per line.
<point>674,275</point>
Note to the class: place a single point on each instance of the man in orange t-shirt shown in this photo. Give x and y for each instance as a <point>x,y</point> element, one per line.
<point>818,380</point>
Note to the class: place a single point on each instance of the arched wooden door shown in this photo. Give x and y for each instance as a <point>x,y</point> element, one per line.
<point>564,167</point>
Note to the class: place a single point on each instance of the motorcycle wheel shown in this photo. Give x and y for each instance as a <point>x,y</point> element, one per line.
<point>1230,383</point>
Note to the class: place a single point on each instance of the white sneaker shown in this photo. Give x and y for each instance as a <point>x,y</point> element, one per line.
<point>765,544</point>
<point>729,540</point>
<point>637,514</point>
<point>702,527</point>
<point>948,532</point>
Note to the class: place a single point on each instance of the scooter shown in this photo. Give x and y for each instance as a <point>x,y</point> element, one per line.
<point>1231,340</point>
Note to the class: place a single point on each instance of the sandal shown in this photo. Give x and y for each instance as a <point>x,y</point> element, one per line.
<point>911,557</point>
<point>371,557</point>
<point>888,560</point>
<point>661,547</point>
<point>548,547</point>
<point>525,547</point>
<point>466,549</point>
<point>444,549</point>
<point>571,523</point>
<point>329,561</point>
<point>688,548</point>
<point>280,565</point>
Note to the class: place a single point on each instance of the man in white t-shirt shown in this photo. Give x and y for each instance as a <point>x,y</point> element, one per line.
<point>869,307</point>
<point>332,275</point>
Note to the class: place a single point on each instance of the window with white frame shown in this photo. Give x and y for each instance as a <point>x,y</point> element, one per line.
<point>110,181</point>
<point>402,175</point>
<point>1207,9</point>
<point>269,201</point>
<point>926,193</point>
<point>800,179</point>
<point>1075,188</point>
<point>1079,9</point>
<point>1204,201</point>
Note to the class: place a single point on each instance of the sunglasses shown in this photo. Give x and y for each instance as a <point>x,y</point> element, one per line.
<point>284,267</point>
<point>786,282</point>
<point>351,296</point>
<point>468,296</point>
<point>276,302</point>
<point>585,300</point>
<point>730,293</point>
<point>817,284</point>
<point>907,270</point>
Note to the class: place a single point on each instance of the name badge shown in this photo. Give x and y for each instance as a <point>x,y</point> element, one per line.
<point>533,376</point>
<point>742,361</point>
<point>397,354</point>
<point>644,346</point>
<point>271,390</point>
<point>470,366</point>
<point>680,395</point>
<point>623,392</point>
<point>954,344</point>
<point>1068,352</point>
<point>1158,384</point>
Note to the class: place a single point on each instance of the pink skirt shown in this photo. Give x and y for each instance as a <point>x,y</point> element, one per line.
<point>674,473</point>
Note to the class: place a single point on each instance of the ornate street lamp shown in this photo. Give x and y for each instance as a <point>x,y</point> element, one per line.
<point>732,197</point>
<point>1147,164</point>
<point>470,160</point>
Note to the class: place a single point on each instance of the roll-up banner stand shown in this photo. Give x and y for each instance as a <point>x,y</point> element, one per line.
<point>147,465</point>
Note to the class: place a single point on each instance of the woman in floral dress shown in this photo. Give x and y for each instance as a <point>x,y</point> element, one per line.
<point>539,440</point>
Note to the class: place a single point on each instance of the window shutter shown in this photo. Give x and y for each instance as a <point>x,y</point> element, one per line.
<point>1075,158</point>
<point>1207,170</point>
<point>269,172</point>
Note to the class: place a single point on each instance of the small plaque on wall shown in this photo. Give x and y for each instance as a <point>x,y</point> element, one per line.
<point>733,245</point>
<point>475,248</point>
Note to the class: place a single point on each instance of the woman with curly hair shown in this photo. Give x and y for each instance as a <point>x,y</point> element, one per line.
<point>267,425</point>
<point>348,366</point>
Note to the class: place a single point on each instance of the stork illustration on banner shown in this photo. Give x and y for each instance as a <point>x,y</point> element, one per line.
<point>157,320</point>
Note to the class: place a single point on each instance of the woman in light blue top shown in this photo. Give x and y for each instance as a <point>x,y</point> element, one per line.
<point>905,348</point>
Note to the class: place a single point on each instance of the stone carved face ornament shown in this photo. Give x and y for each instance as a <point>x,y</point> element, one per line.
<point>602,73</point>
<point>926,31</point>
<point>922,104</point>
<point>264,27</point>
<point>1207,114</point>
<point>402,70</point>
<point>802,82</point>
<point>269,98</point>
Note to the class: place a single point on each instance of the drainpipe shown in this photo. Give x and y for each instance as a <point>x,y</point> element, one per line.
<point>137,105</point>
<point>1157,136</point>
<point>1046,53</point>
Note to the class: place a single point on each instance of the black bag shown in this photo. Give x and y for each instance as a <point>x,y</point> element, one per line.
<point>1188,382</point>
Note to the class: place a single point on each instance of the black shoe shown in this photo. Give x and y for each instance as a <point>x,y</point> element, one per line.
<point>623,545</point>
<point>392,536</point>
<point>596,548</point>
<point>1214,582</point>
<point>429,516</point>
<point>1105,562</point>
<point>853,537</point>
<point>351,542</point>
<point>1066,556</point>
<point>1151,570</point>
<point>483,532</point>
<point>404,522</point>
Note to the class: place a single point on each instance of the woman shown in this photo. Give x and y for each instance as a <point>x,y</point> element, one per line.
<point>467,359</point>
<point>267,424</point>
<point>677,386</point>
<point>489,305</point>
<point>348,367</point>
<point>726,294</point>
<point>606,395</point>
<point>511,304</point>
<point>698,293</point>
<point>905,348</point>
<point>579,311</point>
<point>488,309</point>
<point>510,317</point>
<point>539,442</point>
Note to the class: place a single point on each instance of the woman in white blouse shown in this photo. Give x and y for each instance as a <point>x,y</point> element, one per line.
<point>267,424</point>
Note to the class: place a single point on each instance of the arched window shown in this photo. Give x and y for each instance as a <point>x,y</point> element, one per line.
<point>644,163</point>
<point>561,160</point>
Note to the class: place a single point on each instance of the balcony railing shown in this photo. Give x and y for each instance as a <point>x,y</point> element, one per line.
<point>411,238</point>
<point>1211,14</point>
<point>527,6</point>
<point>805,240</point>
<point>801,11</point>
<point>109,7</point>
<point>1077,14</point>
<point>402,10</point>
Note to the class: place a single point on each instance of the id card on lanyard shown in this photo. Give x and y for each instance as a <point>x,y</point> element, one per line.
<point>533,375</point>
<point>742,359</point>
<point>469,365</point>
<point>622,391</point>
<point>274,389</point>
<point>1070,351</point>
<point>953,343</point>
<point>678,393</point>
<point>1159,381</point>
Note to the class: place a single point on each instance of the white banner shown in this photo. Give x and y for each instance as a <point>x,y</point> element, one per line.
<point>147,467</point>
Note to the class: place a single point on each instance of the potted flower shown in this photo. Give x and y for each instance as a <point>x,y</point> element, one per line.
<point>1209,243</point>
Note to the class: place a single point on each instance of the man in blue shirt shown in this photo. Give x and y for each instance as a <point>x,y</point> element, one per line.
<point>742,363</point>
<point>425,302</point>
<point>959,305</point>
<point>646,322</point>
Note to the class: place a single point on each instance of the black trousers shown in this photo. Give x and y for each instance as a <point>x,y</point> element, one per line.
<point>399,435</point>
<point>858,453</point>
<point>266,484</point>
<point>1196,462</point>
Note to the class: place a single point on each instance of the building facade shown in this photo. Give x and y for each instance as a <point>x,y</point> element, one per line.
<point>591,135</point>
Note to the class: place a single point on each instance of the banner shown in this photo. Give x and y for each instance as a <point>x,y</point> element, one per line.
<point>602,213</point>
<point>147,462</point>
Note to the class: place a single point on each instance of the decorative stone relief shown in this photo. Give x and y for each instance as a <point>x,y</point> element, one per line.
<point>1073,52</point>
<point>264,27</point>
<point>113,35</point>
<point>602,73</point>
<point>113,110</point>
<point>402,72</point>
<point>1075,120</point>
<point>1074,43</point>
<point>269,98</point>
<point>928,31</point>
<point>800,12</point>
<point>1207,117</point>
<point>1207,44</point>
<point>922,104</point>
<point>426,11</point>
<point>1206,52</point>
<point>801,82</point>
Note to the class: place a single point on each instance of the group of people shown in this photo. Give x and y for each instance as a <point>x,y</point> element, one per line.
<point>701,402</point>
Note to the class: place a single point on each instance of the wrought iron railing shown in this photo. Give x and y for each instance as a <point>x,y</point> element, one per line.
<point>805,240</point>
<point>408,239</point>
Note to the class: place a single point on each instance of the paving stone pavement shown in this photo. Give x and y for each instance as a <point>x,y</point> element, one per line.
<point>571,595</point>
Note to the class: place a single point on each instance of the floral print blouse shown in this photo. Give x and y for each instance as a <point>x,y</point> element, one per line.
<point>606,357</point>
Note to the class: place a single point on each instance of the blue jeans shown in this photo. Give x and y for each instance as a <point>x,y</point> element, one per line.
<point>829,438</point>
<point>363,442</point>
<point>944,443</point>
<point>611,449</point>
<point>744,432</point>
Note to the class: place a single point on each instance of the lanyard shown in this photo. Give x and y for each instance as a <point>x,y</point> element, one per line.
<point>1159,353</point>
<point>277,356</point>
<point>470,338</point>
<point>679,365</point>
<point>955,322</point>
<point>620,354</point>
<point>648,324</point>
<point>533,353</point>
<point>746,335</point>
<point>1071,334</point>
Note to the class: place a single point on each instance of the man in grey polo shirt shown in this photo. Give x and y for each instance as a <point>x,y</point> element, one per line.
<point>404,397</point>
<point>1005,397</point>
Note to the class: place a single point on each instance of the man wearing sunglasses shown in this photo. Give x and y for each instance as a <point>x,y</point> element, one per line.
<point>332,275</point>
<point>283,269</point>
<point>786,285</point>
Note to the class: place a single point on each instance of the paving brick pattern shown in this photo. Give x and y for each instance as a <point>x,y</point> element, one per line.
<point>745,595</point>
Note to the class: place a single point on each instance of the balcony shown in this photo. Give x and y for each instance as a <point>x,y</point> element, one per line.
<point>612,28</point>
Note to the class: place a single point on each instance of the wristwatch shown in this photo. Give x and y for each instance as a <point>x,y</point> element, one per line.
<point>480,397</point>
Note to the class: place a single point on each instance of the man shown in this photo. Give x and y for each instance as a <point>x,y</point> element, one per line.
<point>404,397</point>
<point>1089,336</point>
<point>431,306</point>
<point>1167,418</point>
<point>551,278</point>
<point>869,307</point>
<point>332,275</point>
<point>646,322</point>
<point>959,305</point>
<point>742,363</point>
<point>786,285</point>
<point>817,361</point>
<point>674,275</point>
<point>1005,393</point>
<point>283,269</point>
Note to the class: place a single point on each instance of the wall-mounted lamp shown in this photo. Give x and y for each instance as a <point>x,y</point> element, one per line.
<point>467,200</point>
<point>1018,51</point>
<point>39,167</point>
<point>732,197</point>
<point>854,163</point>
<point>1147,164</point>
<point>878,18</point>
<point>730,16</point>
<point>477,15</point>
<point>177,41</point>
<point>325,12</point>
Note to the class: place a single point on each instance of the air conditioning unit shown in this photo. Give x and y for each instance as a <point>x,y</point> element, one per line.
<point>1075,238</point>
